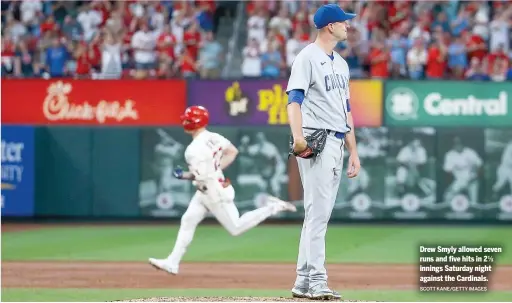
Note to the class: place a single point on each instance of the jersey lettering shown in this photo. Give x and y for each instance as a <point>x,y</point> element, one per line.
<point>333,81</point>
<point>326,87</point>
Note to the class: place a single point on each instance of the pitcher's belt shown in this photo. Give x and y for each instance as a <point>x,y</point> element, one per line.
<point>336,134</point>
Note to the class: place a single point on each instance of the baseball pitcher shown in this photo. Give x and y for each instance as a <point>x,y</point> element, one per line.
<point>207,156</point>
<point>321,124</point>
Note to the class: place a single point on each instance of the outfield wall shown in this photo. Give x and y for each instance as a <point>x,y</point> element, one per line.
<point>93,149</point>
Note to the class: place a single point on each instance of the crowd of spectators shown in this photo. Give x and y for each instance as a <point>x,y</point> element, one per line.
<point>110,39</point>
<point>389,39</point>
<point>103,39</point>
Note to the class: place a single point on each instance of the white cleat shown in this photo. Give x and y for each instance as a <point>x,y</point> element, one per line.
<point>164,264</point>
<point>281,205</point>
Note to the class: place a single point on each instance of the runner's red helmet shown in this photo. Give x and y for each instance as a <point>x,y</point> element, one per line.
<point>195,117</point>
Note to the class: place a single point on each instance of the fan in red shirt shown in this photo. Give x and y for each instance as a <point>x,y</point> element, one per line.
<point>255,6</point>
<point>303,34</point>
<point>48,25</point>
<point>191,39</point>
<point>94,52</point>
<point>301,18</point>
<point>83,64</point>
<point>187,64</point>
<point>210,3</point>
<point>398,13</point>
<point>499,53</point>
<point>475,46</point>
<point>166,42</point>
<point>436,61</point>
<point>8,52</point>
<point>379,57</point>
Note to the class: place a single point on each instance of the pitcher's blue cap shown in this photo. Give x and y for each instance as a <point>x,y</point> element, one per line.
<point>330,13</point>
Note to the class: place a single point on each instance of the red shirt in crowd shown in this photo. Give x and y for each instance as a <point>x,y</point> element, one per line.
<point>379,69</point>
<point>8,49</point>
<point>304,37</point>
<point>496,55</point>
<point>435,67</point>
<point>188,64</point>
<point>476,40</point>
<point>47,25</point>
<point>302,21</point>
<point>94,55</point>
<point>105,13</point>
<point>167,48</point>
<point>280,38</point>
<point>192,39</point>
<point>398,13</point>
<point>83,65</point>
<point>210,3</point>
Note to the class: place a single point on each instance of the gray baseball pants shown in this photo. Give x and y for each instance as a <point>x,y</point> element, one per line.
<point>320,178</point>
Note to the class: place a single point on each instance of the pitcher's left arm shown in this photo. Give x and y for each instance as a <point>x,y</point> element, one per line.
<point>354,164</point>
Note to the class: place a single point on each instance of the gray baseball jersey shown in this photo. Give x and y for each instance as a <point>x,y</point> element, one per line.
<point>326,88</point>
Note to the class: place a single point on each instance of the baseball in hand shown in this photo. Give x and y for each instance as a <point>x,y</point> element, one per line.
<point>299,145</point>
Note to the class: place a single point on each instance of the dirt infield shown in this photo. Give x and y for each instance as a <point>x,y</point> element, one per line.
<point>13,227</point>
<point>140,275</point>
<point>225,299</point>
<point>211,275</point>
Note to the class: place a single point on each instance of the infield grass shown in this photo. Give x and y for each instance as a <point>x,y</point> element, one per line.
<point>358,244</point>
<point>74,295</point>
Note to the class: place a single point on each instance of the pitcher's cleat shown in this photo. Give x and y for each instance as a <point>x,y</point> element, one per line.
<point>164,264</point>
<point>322,292</point>
<point>300,292</point>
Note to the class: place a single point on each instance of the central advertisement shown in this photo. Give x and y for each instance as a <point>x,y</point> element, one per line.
<point>263,102</point>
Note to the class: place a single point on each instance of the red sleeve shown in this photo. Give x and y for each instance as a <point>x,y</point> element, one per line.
<point>186,36</point>
<point>431,55</point>
<point>373,53</point>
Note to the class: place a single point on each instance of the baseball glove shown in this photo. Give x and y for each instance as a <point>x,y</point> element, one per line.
<point>315,144</point>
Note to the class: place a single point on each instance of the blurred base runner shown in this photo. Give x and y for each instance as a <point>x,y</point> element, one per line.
<point>207,156</point>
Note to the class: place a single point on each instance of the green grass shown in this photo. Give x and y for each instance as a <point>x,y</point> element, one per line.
<point>45,295</point>
<point>373,244</point>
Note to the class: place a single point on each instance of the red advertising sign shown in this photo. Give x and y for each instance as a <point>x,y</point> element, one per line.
<point>93,102</point>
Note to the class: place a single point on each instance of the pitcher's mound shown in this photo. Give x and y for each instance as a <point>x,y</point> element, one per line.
<point>227,299</point>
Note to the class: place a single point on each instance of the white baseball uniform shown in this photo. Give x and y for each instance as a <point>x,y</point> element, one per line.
<point>463,165</point>
<point>203,157</point>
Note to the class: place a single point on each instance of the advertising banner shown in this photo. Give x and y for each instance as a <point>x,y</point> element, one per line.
<point>417,173</point>
<point>93,102</point>
<point>448,103</point>
<point>498,174</point>
<point>160,194</point>
<point>162,150</point>
<point>460,173</point>
<point>362,197</point>
<point>411,173</point>
<point>263,102</point>
<point>261,166</point>
<point>17,171</point>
